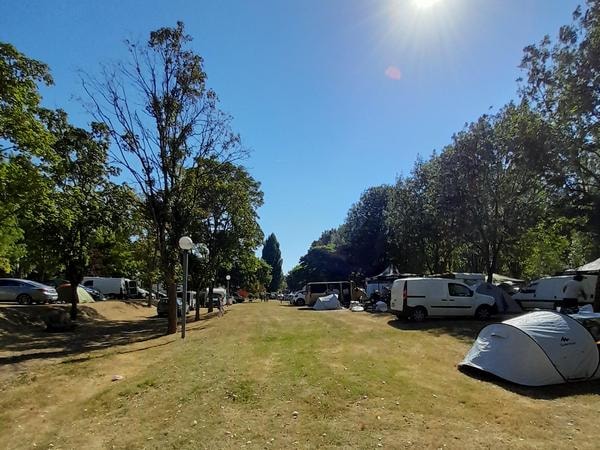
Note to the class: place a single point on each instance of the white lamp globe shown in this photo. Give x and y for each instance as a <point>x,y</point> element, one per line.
<point>186,243</point>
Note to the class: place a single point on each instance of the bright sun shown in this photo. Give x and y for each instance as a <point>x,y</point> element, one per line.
<point>425,4</point>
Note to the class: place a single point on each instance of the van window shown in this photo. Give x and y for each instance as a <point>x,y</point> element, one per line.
<point>458,290</point>
<point>88,283</point>
<point>318,288</point>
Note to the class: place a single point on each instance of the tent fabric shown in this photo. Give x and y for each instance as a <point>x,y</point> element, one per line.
<point>497,279</point>
<point>536,349</point>
<point>65,295</point>
<point>327,302</point>
<point>590,267</point>
<point>504,302</point>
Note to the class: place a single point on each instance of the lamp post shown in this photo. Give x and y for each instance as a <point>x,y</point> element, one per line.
<point>228,277</point>
<point>185,244</point>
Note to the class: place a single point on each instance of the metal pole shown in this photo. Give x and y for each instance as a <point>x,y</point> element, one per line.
<point>184,299</point>
<point>227,293</point>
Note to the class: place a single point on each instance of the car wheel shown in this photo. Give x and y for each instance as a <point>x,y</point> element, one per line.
<point>24,299</point>
<point>418,314</point>
<point>484,312</point>
<point>300,302</point>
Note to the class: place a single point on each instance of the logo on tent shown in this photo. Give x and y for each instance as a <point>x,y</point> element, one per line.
<point>564,341</point>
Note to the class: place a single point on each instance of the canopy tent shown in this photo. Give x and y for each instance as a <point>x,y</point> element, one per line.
<point>327,302</point>
<point>384,280</point>
<point>390,272</point>
<point>65,294</point>
<point>536,349</point>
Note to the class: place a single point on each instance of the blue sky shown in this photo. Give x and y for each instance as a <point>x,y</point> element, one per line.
<point>332,96</point>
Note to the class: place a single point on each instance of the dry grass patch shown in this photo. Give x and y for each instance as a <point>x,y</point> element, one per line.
<point>272,376</point>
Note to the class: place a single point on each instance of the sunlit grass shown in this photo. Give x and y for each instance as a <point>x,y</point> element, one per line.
<point>272,376</point>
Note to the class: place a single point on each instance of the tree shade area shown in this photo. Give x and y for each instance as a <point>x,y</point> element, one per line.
<point>515,192</point>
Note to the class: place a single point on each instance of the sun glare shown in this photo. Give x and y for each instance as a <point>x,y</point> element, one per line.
<point>425,4</point>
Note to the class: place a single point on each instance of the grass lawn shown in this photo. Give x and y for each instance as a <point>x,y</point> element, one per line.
<point>272,376</point>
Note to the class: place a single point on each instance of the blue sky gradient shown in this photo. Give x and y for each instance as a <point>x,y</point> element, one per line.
<point>332,96</point>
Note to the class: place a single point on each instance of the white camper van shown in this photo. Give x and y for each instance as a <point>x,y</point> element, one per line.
<point>547,293</point>
<point>417,298</point>
<point>113,287</point>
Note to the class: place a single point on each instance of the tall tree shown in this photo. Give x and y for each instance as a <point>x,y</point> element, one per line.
<point>487,180</point>
<point>271,253</point>
<point>226,218</point>
<point>83,199</point>
<point>362,237</point>
<point>563,83</point>
<point>166,124</point>
<point>22,135</point>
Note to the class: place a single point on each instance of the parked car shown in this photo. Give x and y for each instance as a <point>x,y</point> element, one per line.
<point>26,292</point>
<point>298,298</point>
<point>162,308</point>
<point>418,298</point>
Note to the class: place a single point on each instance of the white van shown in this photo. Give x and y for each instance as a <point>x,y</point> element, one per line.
<point>113,287</point>
<point>417,298</point>
<point>547,292</point>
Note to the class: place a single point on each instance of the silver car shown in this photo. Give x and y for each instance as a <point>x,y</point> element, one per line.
<point>26,292</point>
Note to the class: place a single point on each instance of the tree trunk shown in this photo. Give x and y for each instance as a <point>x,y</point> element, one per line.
<point>74,299</point>
<point>210,296</point>
<point>197,317</point>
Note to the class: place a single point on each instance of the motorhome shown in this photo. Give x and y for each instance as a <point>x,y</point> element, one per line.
<point>419,298</point>
<point>113,287</point>
<point>547,292</point>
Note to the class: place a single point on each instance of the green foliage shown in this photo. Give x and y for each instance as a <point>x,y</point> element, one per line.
<point>553,246</point>
<point>362,238</point>
<point>19,101</point>
<point>227,223</point>
<point>562,82</point>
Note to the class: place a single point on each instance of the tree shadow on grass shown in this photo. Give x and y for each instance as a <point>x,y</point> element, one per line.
<point>461,328</point>
<point>23,335</point>
<point>537,392</point>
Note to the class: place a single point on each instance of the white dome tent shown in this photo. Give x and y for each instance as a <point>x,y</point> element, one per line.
<point>327,302</point>
<point>536,349</point>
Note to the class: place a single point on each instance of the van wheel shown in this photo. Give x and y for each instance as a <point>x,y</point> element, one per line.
<point>484,312</point>
<point>418,314</point>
